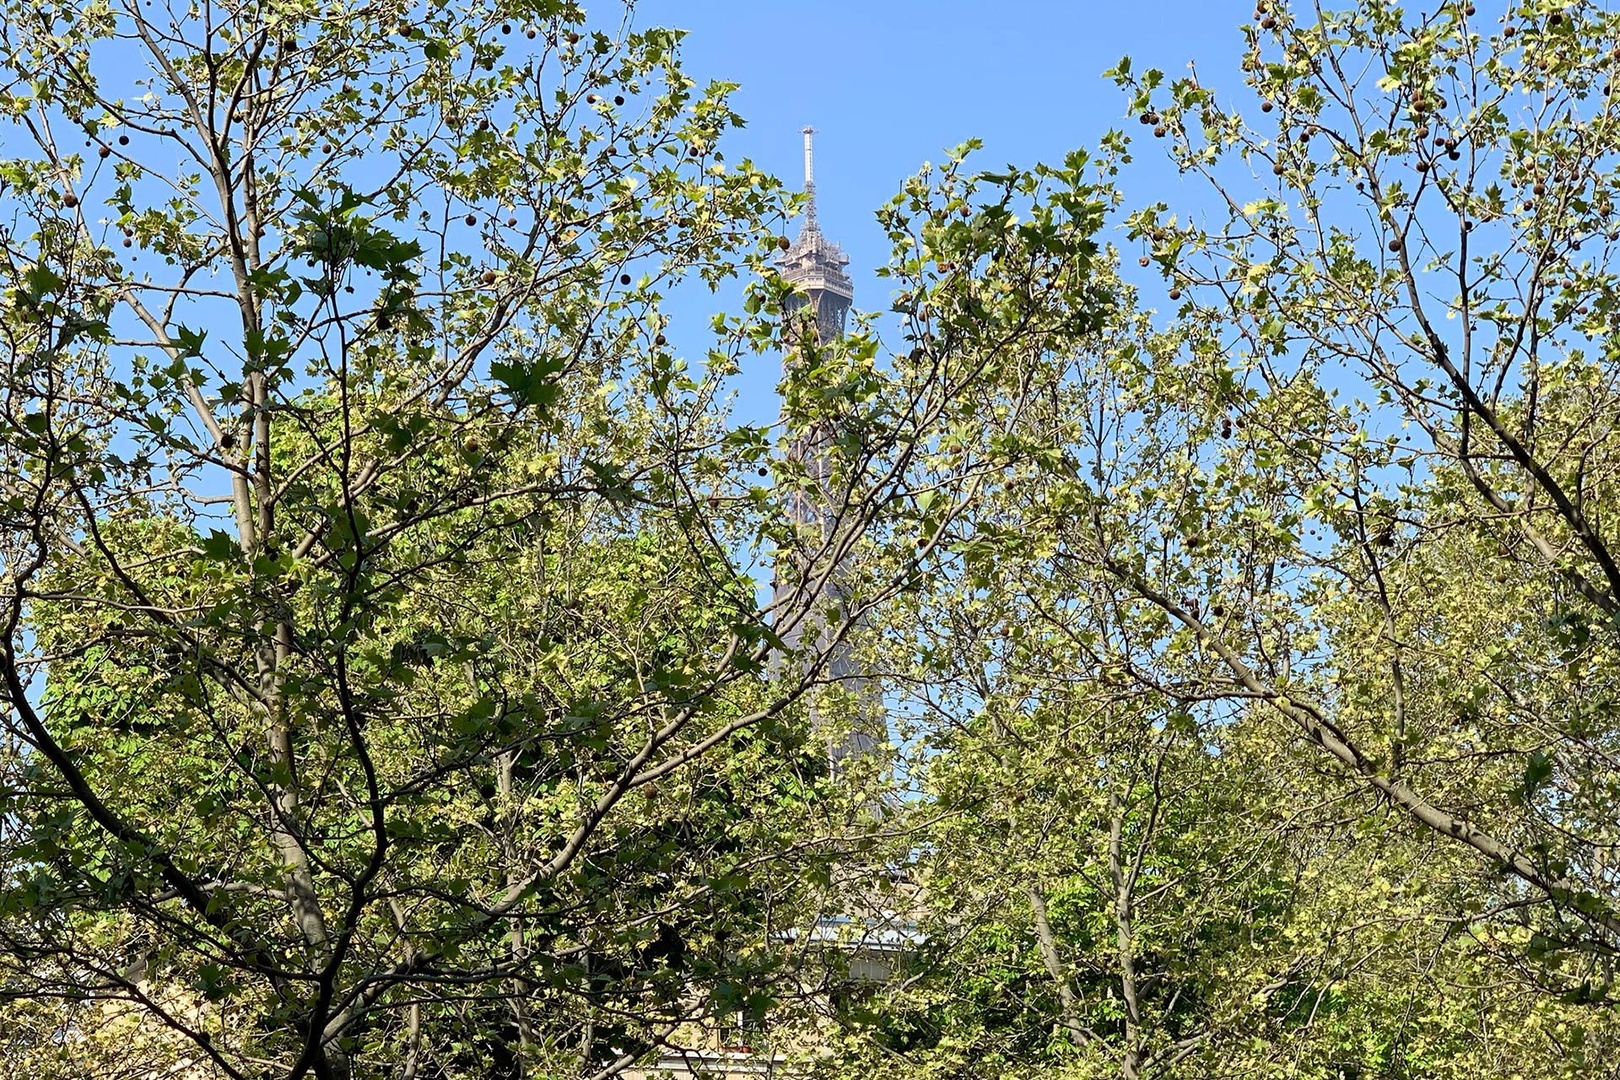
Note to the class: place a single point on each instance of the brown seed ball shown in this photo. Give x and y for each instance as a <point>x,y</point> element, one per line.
<point>1538,188</point>
<point>1508,31</point>
<point>506,28</point>
<point>618,99</point>
<point>1277,168</point>
<point>1159,131</point>
<point>511,222</point>
<point>624,279</point>
<point>128,242</point>
<point>1422,166</point>
<point>783,242</point>
<point>70,200</point>
<point>103,151</point>
<point>471,219</point>
<point>326,148</point>
<point>123,140</point>
<point>529,34</point>
<point>573,38</point>
<point>1469,10</point>
<point>590,99</point>
<point>1395,244</point>
<point>1265,106</point>
<point>1454,155</point>
<point>1144,260</point>
<point>483,124</point>
<point>488,277</point>
<point>1267,23</point>
<point>1145,118</point>
<point>660,340</point>
<point>1555,19</point>
<point>1175,294</point>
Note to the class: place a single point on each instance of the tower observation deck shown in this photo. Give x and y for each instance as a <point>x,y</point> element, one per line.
<point>815,266</point>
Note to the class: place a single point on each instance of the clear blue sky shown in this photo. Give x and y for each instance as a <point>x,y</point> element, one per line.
<point>889,84</point>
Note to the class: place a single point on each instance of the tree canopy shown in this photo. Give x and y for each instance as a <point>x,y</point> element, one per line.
<point>391,681</point>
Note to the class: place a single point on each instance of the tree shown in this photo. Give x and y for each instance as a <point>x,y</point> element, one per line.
<point>1359,470</point>
<point>386,685</point>
<point>1348,491</point>
<point>1406,373</point>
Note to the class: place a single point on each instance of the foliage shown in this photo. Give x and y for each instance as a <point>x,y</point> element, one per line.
<point>387,689</point>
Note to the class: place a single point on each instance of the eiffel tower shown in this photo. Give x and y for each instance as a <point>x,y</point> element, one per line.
<point>872,941</point>
<point>815,266</point>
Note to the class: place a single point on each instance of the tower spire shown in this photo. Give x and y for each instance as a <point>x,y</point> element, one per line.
<point>810,223</point>
<point>815,264</point>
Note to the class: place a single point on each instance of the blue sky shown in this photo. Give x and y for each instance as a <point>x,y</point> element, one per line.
<point>890,84</point>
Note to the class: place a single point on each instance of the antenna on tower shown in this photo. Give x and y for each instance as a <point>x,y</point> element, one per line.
<point>809,181</point>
